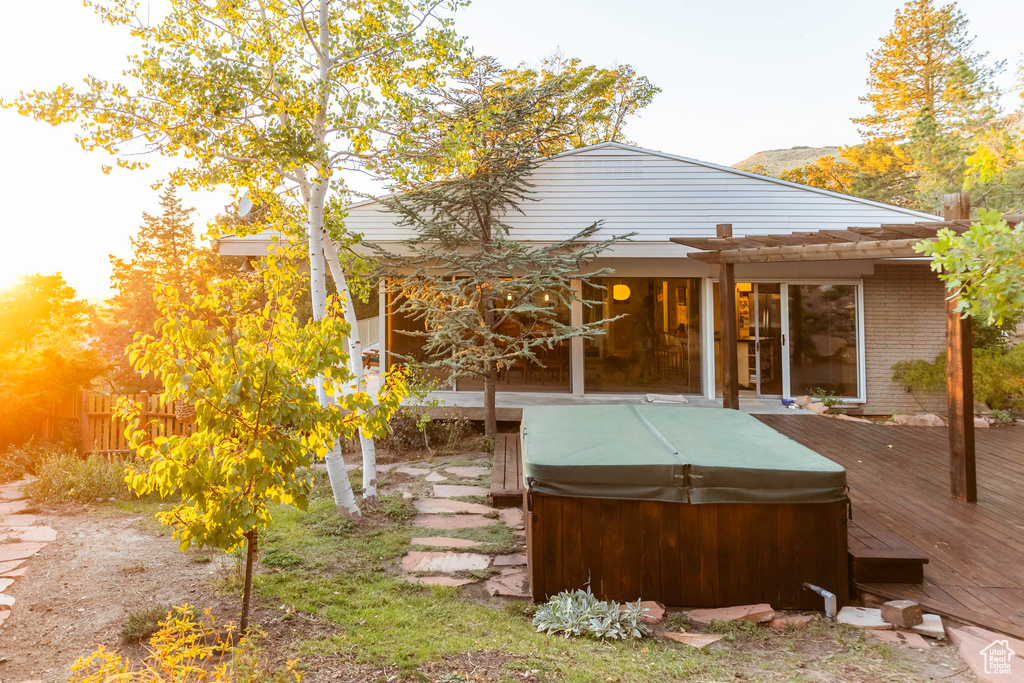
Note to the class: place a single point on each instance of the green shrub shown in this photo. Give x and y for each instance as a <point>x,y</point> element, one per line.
<point>580,613</point>
<point>397,508</point>
<point>143,623</point>
<point>66,477</point>
<point>998,376</point>
<point>17,461</point>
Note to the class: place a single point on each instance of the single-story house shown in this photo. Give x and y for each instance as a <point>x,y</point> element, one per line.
<point>835,326</point>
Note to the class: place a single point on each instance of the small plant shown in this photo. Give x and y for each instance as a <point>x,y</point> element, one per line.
<point>1004,416</point>
<point>200,558</point>
<point>133,569</point>
<point>143,623</point>
<point>826,398</point>
<point>580,613</point>
<point>397,508</point>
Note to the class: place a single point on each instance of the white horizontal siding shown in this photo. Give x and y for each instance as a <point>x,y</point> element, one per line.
<point>658,197</point>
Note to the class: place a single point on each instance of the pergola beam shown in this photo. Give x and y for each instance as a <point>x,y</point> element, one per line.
<point>835,251</point>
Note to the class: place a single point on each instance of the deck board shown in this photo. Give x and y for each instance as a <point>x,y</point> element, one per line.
<point>899,487</point>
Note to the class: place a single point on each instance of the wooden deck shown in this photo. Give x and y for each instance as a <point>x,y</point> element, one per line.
<point>899,488</point>
<point>507,472</point>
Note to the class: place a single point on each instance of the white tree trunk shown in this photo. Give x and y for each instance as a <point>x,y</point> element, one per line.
<point>355,353</point>
<point>344,497</point>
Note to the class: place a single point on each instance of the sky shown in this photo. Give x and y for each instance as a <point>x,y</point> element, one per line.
<point>736,78</point>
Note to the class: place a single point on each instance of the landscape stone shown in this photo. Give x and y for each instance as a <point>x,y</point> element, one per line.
<point>931,627</point>
<point>6,567</point>
<point>441,580</point>
<point>760,613</point>
<point>18,520</point>
<point>417,561</point>
<point>902,613</point>
<point>863,617</point>
<point>981,423</point>
<point>468,472</point>
<point>13,507</point>
<point>922,420</point>
<point>796,621</point>
<point>655,611</point>
<point>12,492</point>
<point>431,506</point>
<point>971,641</point>
<point>6,600</point>
<point>445,542</point>
<point>804,401</point>
<point>15,574</point>
<point>388,467</point>
<point>450,523</point>
<point>513,560</point>
<point>38,534</point>
<point>412,471</point>
<point>19,551</point>
<point>886,636</point>
<point>698,640</point>
<point>511,583</point>
<point>819,408</point>
<point>912,639</point>
<point>435,477</point>
<point>5,584</point>
<point>512,517</point>
<point>451,491</point>
<point>4,613</point>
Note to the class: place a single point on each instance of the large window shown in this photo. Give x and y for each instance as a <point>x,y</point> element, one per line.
<point>823,339</point>
<point>651,342</point>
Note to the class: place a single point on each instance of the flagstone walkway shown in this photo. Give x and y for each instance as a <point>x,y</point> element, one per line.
<point>20,540</point>
<point>450,551</point>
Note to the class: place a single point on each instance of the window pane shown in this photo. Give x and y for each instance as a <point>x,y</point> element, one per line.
<point>653,344</point>
<point>823,339</point>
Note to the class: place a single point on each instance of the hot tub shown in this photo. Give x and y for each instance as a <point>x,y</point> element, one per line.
<point>697,507</point>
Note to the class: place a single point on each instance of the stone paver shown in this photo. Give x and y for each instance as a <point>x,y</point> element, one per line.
<point>412,471</point>
<point>441,581</point>
<point>3,615</point>
<point>796,621</point>
<point>36,534</point>
<point>760,613</point>
<point>10,566</point>
<point>972,640</point>
<point>435,477</point>
<point>932,627</point>
<point>5,584</point>
<point>11,492</point>
<point>511,583</point>
<point>13,507</point>
<point>18,520</point>
<point>513,560</point>
<point>433,506</point>
<point>19,551</point>
<point>6,600</point>
<point>445,542</point>
<point>698,640</point>
<point>863,617</point>
<point>451,523</point>
<point>655,611</point>
<point>468,472</point>
<point>512,517</point>
<point>15,574</point>
<point>418,561</point>
<point>451,491</point>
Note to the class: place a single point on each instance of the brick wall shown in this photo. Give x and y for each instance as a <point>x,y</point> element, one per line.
<point>904,319</point>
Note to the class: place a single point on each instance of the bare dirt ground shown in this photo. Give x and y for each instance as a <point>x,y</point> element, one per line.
<point>104,565</point>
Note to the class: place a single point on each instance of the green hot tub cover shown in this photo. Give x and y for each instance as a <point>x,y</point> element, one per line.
<point>670,453</point>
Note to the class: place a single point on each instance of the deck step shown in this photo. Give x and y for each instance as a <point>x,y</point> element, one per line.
<point>506,473</point>
<point>887,565</point>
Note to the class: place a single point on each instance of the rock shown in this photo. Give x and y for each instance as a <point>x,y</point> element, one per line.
<point>7,567</point>
<point>851,418</point>
<point>39,534</point>
<point>512,517</point>
<point>433,506</point>
<point>18,520</point>
<point>795,621</point>
<point>513,560</point>
<point>450,523</point>
<point>435,477</point>
<point>863,617</point>
<point>4,613</point>
<point>12,507</point>
<point>6,600</point>
<point>449,491</point>
<point>412,471</point>
<point>440,581</point>
<point>5,584</point>
<point>912,639</point>
<point>417,561</point>
<point>819,408</point>
<point>698,640</point>
<point>12,492</point>
<point>445,542</point>
<point>902,613</point>
<point>757,613</point>
<point>981,423</point>
<point>886,636</point>
<point>931,627</point>
<point>468,472</point>
<point>655,611</point>
<point>16,574</point>
<point>19,551</point>
<point>804,401</point>
<point>407,496</point>
<point>511,583</point>
<point>922,420</point>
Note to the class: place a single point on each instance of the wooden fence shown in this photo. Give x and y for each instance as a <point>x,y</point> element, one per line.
<point>103,434</point>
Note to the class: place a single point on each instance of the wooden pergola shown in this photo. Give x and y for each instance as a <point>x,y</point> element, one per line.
<point>885,241</point>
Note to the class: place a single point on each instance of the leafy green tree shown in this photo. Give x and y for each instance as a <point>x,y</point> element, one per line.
<point>45,353</point>
<point>927,89</point>
<point>253,370</point>
<point>280,100</point>
<point>486,299</point>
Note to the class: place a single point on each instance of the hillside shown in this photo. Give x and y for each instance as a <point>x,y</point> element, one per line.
<point>778,160</point>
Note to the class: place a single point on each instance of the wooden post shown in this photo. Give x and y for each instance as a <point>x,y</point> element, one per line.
<point>83,423</point>
<point>727,301</point>
<point>959,379</point>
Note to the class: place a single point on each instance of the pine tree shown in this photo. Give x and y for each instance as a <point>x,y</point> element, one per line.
<point>927,90</point>
<point>486,299</point>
